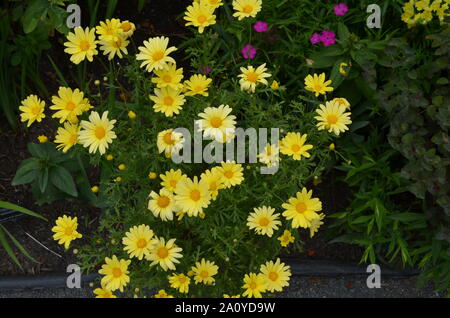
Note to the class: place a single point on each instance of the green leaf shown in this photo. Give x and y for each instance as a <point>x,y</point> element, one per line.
<point>19,246</point>
<point>14,207</point>
<point>343,32</point>
<point>62,179</point>
<point>27,172</point>
<point>7,247</point>
<point>36,10</point>
<point>43,179</point>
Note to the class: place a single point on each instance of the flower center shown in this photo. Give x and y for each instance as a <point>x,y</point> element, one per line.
<point>300,207</point>
<point>126,26</point>
<point>332,119</point>
<point>68,231</point>
<point>167,78</point>
<point>70,106</point>
<point>168,138</point>
<point>213,186</point>
<point>84,45</point>
<point>168,101</point>
<point>273,276</point>
<point>100,132</point>
<point>252,77</point>
<point>116,272</point>
<point>158,55</point>
<point>35,110</point>
<point>162,252</point>
<point>199,88</point>
<point>73,139</point>
<point>201,19</point>
<point>141,243</point>
<point>182,279</point>
<point>173,183</point>
<point>195,195</point>
<point>264,221</point>
<point>252,285</point>
<point>318,87</point>
<point>295,148</point>
<point>204,274</point>
<point>163,201</point>
<point>248,9</point>
<point>229,174</point>
<point>117,43</point>
<point>216,122</point>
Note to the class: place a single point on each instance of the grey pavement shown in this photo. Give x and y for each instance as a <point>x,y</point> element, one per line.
<point>300,287</point>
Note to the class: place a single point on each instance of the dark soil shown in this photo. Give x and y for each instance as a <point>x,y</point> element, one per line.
<point>158,18</point>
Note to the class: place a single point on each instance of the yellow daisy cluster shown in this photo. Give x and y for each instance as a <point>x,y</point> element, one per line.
<point>169,94</point>
<point>113,37</point>
<point>182,195</point>
<point>423,11</point>
<point>273,277</point>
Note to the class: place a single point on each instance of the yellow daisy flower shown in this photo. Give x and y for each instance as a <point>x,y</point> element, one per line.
<point>115,273</point>
<point>128,28</point>
<point>333,118</point>
<point>69,104</point>
<point>250,77</point>
<point>246,8</point>
<point>162,205</point>
<point>66,230</point>
<point>162,294</point>
<point>317,84</point>
<point>110,29</point>
<point>263,220</point>
<point>97,133</point>
<point>192,196</point>
<point>315,225</point>
<point>169,77</point>
<point>155,53</point>
<point>114,45</point>
<point>138,241</point>
<point>168,101</point>
<point>32,109</point>
<point>169,141</point>
<point>232,173</point>
<point>165,254</point>
<point>200,14</point>
<point>254,285</point>
<point>228,296</point>
<point>277,275</point>
<point>294,145</point>
<point>204,271</point>
<point>67,136</point>
<point>216,123</point>
<point>213,3</point>
<point>342,101</point>
<point>42,139</point>
<point>171,179</point>
<point>180,282</point>
<point>302,209</point>
<point>270,156</point>
<point>81,45</point>
<point>103,293</point>
<point>286,238</point>
<point>197,85</point>
<point>214,180</point>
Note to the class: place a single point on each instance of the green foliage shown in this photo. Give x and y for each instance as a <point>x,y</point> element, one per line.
<point>6,237</point>
<point>50,173</point>
<point>379,218</point>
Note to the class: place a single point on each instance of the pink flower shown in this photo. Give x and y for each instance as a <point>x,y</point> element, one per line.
<point>248,52</point>
<point>315,38</point>
<point>204,70</point>
<point>328,37</point>
<point>260,26</point>
<point>340,9</point>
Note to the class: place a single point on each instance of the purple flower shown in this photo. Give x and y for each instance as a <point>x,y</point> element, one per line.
<point>248,52</point>
<point>340,9</point>
<point>260,26</point>
<point>315,38</point>
<point>328,37</point>
<point>204,70</point>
